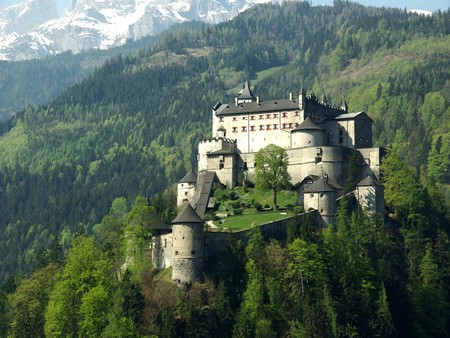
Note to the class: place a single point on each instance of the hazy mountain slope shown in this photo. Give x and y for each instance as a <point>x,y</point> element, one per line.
<point>133,126</point>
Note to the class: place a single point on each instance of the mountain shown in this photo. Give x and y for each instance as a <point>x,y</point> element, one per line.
<point>132,127</point>
<point>33,29</point>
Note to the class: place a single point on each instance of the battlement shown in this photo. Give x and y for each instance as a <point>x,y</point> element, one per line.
<point>217,139</point>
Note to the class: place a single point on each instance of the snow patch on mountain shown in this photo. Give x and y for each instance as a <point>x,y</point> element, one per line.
<point>33,28</point>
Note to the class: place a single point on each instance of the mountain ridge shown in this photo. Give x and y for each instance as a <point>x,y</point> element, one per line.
<point>98,24</point>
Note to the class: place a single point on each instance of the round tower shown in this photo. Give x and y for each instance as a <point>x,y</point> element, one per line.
<point>186,188</point>
<point>187,231</point>
<point>322,197</point>
<point>307,134</point>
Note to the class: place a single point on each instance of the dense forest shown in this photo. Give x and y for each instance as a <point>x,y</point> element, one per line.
<point>72,168</point>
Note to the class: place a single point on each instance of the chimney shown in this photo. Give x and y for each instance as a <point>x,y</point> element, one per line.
<point>236,100</point>
<point>258,99</point>
<point>290,96</point>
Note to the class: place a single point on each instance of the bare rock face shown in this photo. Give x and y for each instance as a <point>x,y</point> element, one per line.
<point>33,29</point>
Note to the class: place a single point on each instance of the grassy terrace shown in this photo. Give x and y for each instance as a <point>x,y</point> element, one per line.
<point>241,208</point>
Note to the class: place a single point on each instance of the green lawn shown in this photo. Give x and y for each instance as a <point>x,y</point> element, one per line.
<point>240,222</point>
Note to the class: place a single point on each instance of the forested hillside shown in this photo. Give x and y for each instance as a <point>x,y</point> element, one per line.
<point>132,127</point>
<point>39,81</point>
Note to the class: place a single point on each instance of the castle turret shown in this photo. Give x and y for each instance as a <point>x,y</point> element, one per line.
<point>370,195</point>
<point>221,132</point>
<point>187,230</point>
<point>301,98</point>
<point>322,197</point>
<point>186,188</point>
<point>307,134</point>
<point>246,94</point>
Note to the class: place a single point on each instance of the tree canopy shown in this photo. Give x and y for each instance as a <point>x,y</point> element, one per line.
<point>271,170</point>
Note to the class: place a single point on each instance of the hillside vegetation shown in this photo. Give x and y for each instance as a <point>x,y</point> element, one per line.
<point>132,127</point>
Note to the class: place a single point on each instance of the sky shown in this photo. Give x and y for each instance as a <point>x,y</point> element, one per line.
<point>430,5</point>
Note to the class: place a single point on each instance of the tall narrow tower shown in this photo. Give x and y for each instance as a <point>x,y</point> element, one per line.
<point>187,234</point>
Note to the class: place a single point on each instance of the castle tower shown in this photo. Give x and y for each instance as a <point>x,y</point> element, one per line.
<point>370,195</point>
<point>187,231</point>
<point>307,134</point>
<point>322,197</point>
<point>186,188</point>
<point>246,94</point>
<point>301,99</point>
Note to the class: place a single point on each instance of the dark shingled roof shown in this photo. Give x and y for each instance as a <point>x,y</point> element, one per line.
<point>187,215</point>
<point>369,181</point>
<point>221,128</point>
<point>205,193</point>
<point>246,92</point>
<point>352,116</point>
<point>191,177</point>
<point>307,124</point>
<point>257,108</point>
<point>220,152</point>
<point>321,185</point>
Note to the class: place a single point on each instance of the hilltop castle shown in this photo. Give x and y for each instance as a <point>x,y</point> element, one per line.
<point>320,141</point>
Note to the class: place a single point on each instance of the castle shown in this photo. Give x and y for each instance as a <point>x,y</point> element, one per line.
<point>320,141</point>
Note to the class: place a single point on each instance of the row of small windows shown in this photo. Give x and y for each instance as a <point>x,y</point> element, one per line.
<point>262,116</point>
<point>266,127</point>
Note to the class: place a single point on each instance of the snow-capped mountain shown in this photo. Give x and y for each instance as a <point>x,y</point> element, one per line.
<point>33,29</point>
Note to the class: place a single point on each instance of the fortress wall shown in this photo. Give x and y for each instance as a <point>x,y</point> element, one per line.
<point>310,138</point>
<point>363,134</point>
<point>162,250</point>
<point>372,157</point>
<point>302,162</point>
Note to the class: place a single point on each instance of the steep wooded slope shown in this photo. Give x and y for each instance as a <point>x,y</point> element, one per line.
<point>132,128</point>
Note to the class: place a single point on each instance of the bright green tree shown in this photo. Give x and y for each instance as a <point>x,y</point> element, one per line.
<point>271,170</point>
<point>79,301</point>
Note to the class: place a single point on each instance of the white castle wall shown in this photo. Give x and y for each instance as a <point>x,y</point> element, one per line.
<point>324,202</point>
<point>186,193</point>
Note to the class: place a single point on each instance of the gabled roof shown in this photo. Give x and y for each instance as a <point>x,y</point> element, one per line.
<point>352,116</point>
<point>246,92</point>
<point>190,177</point>
<point>257,108</point>
<point>307,124</point>
<point>321,185</point>
<point>221,128</point>
<point>187,215</point>
<point>369,181</point>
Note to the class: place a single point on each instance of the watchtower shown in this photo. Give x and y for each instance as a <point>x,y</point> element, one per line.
<point>187,231</point>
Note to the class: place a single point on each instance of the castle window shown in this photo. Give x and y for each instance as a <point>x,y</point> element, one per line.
<point>296,114</point>
<point>252,117</point>
<point>261,127</point>
<point>275,126</point>
<point>185,192</point>
<point>176,253</point>
<point>252,128</point>
<point>268,127</point>
<point>165,242</point>
<point>234,119</point>
<point>321,195</point>
<point>283,126</point>
<point>234,130</point>
<point>193,252</point>
<point>244,118</point>
<point>311,195</point>
<point>221,165</point>
<point>290,125</point>
<point>275,116</point>
<point>321,211</point>
<point>220,119</point>
<point>244,128</point>
<point>341,136</point>
<point>261,117</point>
<point>284,115</point>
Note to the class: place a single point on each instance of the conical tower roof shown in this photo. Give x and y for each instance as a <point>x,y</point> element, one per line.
<point>246,92</point>
<point>187,215</point>
<point>190,177</point>
<point>369,181</point>
<point>307,124</point>
<point>321,185</point>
